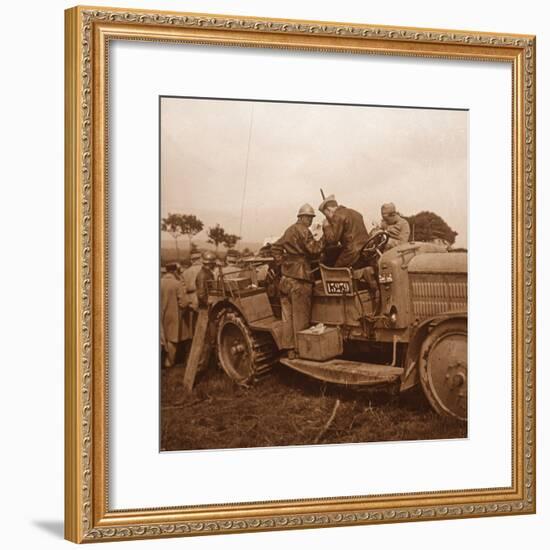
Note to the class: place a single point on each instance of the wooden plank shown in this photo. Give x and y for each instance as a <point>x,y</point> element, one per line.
<point>199,341</point>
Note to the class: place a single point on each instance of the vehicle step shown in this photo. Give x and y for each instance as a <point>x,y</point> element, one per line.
<point>341,371</point>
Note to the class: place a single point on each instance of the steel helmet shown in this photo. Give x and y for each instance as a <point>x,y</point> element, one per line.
<point>328,201</point>
<point>306,210</point>
<point>208,257</point>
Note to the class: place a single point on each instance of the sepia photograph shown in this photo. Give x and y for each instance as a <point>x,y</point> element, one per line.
<point>313,273</point>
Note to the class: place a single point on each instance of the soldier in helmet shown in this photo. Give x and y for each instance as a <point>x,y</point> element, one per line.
<point>345,229</point>
<point>396,226</point>
<point>203,276</point>
<point>298,249</point>
<point>190,276</point>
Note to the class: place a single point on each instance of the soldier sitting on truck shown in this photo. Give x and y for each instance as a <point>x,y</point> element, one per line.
<point>396,226</point>
<point>296,283</point>
<point>344,229</point>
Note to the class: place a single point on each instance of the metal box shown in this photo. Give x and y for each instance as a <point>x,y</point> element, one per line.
<point>320,346</point>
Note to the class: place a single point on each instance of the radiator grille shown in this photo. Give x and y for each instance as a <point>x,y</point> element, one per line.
<point>433,294</point>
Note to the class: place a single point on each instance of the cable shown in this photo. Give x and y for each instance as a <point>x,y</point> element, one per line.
<point>246,170</point>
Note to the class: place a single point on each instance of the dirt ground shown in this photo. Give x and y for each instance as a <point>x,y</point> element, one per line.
<point>287,408</point>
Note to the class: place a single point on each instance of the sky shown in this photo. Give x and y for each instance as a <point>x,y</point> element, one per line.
<point>249,165</point>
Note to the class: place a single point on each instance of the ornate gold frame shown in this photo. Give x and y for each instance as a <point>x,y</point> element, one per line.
<point>88,32</point>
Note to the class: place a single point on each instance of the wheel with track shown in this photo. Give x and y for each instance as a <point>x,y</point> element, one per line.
<point>243,354</point>
<point>443,368</point>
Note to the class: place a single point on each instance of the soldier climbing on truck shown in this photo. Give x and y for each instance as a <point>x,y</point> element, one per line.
<point>345,233</point>
<point>296,283</point>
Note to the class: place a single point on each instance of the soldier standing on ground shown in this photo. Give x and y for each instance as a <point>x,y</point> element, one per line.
<point>296,284</point>
<point>396,226</point>
<point>204,277</point>
<point>173,299</point>
<point>345,228</point>
<point>187,317</point>
<point>189,278</point>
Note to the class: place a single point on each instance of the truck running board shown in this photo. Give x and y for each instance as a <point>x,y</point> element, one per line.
<point>340,371</point>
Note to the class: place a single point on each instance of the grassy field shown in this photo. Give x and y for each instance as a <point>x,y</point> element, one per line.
<point>287,408</point>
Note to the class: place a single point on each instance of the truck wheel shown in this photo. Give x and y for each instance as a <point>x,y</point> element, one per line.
<point>245,356</point>
<point>443,368</point>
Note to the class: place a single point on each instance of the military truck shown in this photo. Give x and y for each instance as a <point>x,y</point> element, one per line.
<point>401,321</point>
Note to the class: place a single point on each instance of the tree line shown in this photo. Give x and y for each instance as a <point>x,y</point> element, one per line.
<point>188,225</point>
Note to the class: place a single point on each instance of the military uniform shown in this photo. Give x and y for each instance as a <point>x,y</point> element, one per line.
<point>296,282</point>
<point>346,228</point>
<point>189,314</point>
<point>201,285</point>
<point>399,231</point>
<point>203,277</point>
<point>189,278</point>
<point>173,299</point>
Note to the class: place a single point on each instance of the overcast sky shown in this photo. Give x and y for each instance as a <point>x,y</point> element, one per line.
<point>249,166</point>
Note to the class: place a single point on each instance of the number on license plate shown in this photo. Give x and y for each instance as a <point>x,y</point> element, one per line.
<point>338,287</point>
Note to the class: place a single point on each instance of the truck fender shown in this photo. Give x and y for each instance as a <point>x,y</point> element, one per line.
<point>410,377</point>
<point>256,311</point>
<point>253,308</point>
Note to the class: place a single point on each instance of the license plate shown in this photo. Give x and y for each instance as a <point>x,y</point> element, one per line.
<point>338,288</point>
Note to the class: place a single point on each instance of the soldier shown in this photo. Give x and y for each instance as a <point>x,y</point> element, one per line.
<point>345,228</point>
<point>233,257</point>
<point>189,277</point>
<point>205,275</point>
<point>296,284</point>
<point>396,226</point>
<point>173,299</point>
<point>231,260</point>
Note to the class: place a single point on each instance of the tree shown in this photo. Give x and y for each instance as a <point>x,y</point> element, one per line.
<point>216,235</point>
<point>230,241</point>
<point>177,225</point>
<point>191,226</point>
<point>427,226</point>
<point>172,225</point>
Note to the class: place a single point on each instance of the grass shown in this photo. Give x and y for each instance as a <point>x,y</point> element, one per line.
<point>287,408</point>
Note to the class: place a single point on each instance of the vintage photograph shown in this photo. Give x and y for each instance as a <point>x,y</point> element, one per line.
<point>313,273</point>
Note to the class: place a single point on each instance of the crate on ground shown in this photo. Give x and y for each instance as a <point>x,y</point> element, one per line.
<point>320,343</point>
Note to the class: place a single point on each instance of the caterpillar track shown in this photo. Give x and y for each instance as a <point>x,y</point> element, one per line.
<point>244,355</point>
